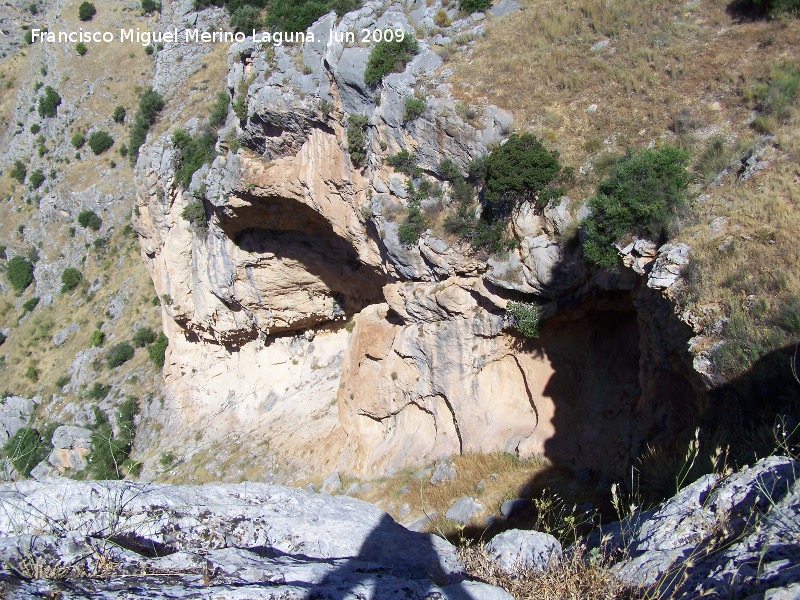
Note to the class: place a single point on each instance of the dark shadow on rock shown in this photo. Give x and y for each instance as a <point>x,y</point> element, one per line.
<point>390,559</point>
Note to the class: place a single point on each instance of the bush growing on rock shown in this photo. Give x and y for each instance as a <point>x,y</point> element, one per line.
<point>86,11</point>
<point>36,179</point>
<point>195,213</point>
<point>219,111</point>
<point>151,103</point>
<point>448,170</point>
<point>97,338</point>
<point>109,453</point>
<point>19,272</point>
<point>119,354</point>
<point>195,152</point>
<point>404,162</point>
<point>89,219</point>
<point>641,196</point>
<point>356,139</point>
<point>77,141</point>
<point>143,336</point>
<point>70,279</point>
<point>246,19</point>
<point>30,304</point>
<point>413,225</point>
<point>301,14</point>
<point>525,317</point>
<point>28,447</point>
<point>100,141</point>
<point>150,6</point>
<point>19,171</point>
<point>473,6</point>
<point>119,114</point>
<point>414,108</point>
<point>521,170</point>
<point>157,350</point>
<point>387,57</point>
<point>49,103</point>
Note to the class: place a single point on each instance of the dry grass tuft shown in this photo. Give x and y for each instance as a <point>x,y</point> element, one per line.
<point>579,575</point>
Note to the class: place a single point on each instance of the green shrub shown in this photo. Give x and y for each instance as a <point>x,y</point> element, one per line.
<point>19,171</point>
<point>89,219</point>
<point>778,97</point>
<point>2,338</point>
<point>387,57</point>
<point>404,162</point>
<point>195,152</point>
<point>413,225</point>
<point>356,139</point>
<point>32,372</point>
<point>70,279</point>
<point>246,19</point>
<point>143,336</point>
<point>150,6</point>
<point>157,350</point>
<point>30,304</point>
<point>36,179</point>
<point>27,447</point>
<point>28,36</point>
<point>151,103</point>
<point>119,114</point>
<point>49,103</point>
<point>81,48</point>
<point>119,354</point>
<point>78,140</point>
<point>414,109</point>
<point>219,111</point>
<point>641,196</point>
<point>109,453</point>
<point>98,391</point>
<point>525,317</point>
<point>299,15</point>
<point>195,213</point>
<point>97,338</point>
<point>521,170</point>
<point>19,273</point>
<point>772,9</point>
<point>62,381</point>
<point>240,107</point>
<point>149,49</point>
<point>86,11</point>
<point>473,6</point>
<point>448,170</point>
<point>441,19</point>
<point>100,141</point>
<point>35,128</point>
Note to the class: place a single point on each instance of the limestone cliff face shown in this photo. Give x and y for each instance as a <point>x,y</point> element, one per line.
<point>300,242</point>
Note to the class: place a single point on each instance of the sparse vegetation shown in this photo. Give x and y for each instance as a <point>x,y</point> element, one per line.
<point>387,57</point>
<point>413,225</point>
<point>404,162</point>
<point>28,447</point>
<point>219,111</point>
<point>107,459</point>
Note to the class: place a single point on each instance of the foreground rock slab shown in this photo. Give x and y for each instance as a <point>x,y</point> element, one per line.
<point>70,539</point>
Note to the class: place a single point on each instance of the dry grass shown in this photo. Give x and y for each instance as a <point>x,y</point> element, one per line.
<point>579,575</point>
<point>666,57</point>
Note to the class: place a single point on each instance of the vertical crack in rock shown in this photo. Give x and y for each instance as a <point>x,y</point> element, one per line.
<point>527,389</point>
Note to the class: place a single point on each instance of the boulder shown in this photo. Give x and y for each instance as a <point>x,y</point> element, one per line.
<point>516,549</point>
<point>463,510</point>
<point>249,540</point>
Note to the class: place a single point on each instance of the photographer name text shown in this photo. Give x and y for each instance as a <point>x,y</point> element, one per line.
<point>197,36</point>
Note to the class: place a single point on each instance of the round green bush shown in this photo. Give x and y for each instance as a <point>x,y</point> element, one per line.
<point>100,141</point>
<point>19,272</point>
<point>119,354</point>
<point>80,48</point>
<point>90,219</point>
<point>77,140</point>
<point>143,336</point>
<point>49,103</point>
<point>387,57</point>
<point>86,11</point>
<point>157,350</point>
<point>119,114</point>
<point>473,6</point>
<point>70,279</point>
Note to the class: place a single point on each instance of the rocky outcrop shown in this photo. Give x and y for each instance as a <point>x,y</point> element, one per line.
<point>372,353</point>
<point>734,536</point>
<point>125,540</point>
